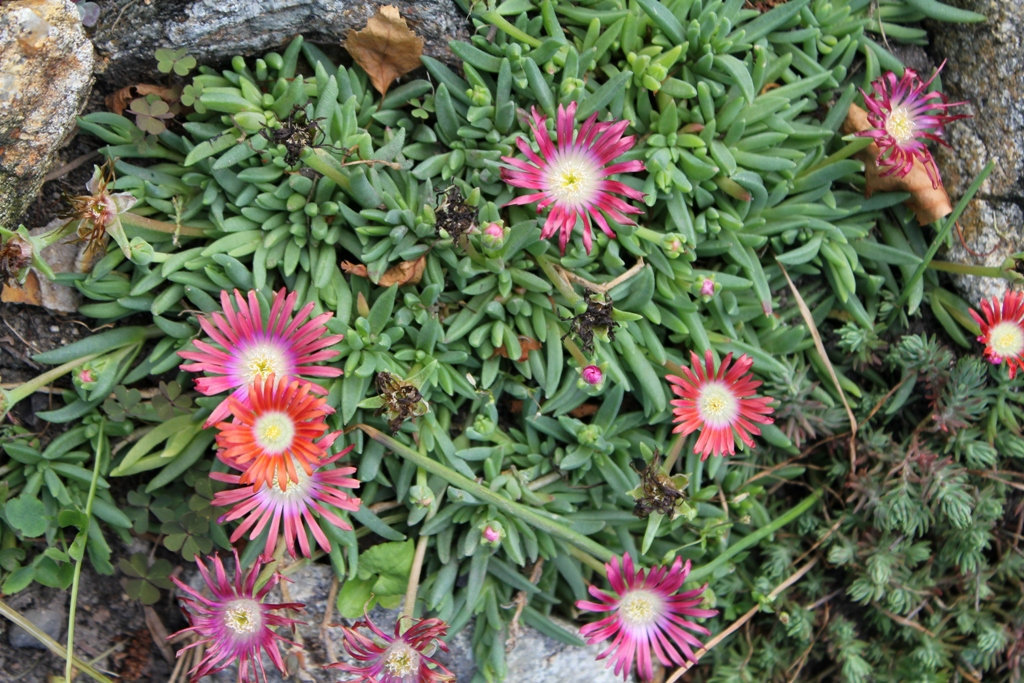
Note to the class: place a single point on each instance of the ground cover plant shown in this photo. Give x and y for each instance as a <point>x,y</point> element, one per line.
<point>603,323</point>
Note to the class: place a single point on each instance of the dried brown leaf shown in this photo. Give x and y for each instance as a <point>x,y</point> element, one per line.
<point>357,269</point>
<point>386,49</point>
<point>527,344</point>
<point>928,203</point>
<point>27,292</point>
<point>404,273</point>
<point>118,100</point>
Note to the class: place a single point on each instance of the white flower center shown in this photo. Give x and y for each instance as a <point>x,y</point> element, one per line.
<point>294,489</point>
<point>1006,339</point>
<point>274,431</point>
<point>401,660</point>
<point>572,178</point>
<point>243,616</point>
<point>900,124</point>
<point>639,608</point>
<point>261,361</point>
<point>717,405</point>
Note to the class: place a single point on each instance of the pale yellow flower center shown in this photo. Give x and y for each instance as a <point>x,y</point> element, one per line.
<point>261,361</point>
<point>401,660</point>
<point>274,431</point>
<point>1006,339</point>
<point>243,616</point>
<point>573,179</point>
<point>717,405</point>
<point>899,124</point>
<point>639,608</point>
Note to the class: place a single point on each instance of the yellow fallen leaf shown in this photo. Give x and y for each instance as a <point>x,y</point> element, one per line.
<point>386,49</point>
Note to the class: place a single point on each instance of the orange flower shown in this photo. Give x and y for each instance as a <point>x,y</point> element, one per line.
<point>278,429</point>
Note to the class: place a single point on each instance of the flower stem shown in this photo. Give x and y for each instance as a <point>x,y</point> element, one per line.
<point>133,220</point>
<point>979,271</point>
<point>560,283</point>
<point>749,540</point>
<point>16,617</point>
<point>81,538</point>
<point>409,606</point>
<point>12,397</point>
<point>544,521</point>
<point>500,22</point>
<point>939,240</point>
<point>844,152</point>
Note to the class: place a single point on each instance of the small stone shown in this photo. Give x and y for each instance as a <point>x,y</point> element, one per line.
<point>45,73</point>
<point>48,618</point>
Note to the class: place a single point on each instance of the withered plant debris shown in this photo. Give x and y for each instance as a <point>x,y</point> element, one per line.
<point>386,49</point>
<point>526,344</point>
<point>658,492</point>
<point>297,132</point>
<point>15,255</point>
<point>402,400</point>
<point>598,316</point>
<point>403,273</point>
<point>453,215</point>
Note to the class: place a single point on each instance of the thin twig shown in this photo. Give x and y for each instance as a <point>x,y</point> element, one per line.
<point>605,287</point>
<point>70,166</point>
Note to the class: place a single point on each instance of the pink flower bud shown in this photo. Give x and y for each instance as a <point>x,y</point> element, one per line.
<point>592,375</point>
<point>707,288</point>
<point>491,535</point>
<point>493,235</point>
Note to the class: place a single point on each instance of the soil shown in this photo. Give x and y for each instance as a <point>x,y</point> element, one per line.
<point>111,633</point>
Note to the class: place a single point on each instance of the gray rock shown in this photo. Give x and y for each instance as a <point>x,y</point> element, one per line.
<point>48,618</point>
<point>130,31</point>
<point>46,67</point>
<point>986,68</point>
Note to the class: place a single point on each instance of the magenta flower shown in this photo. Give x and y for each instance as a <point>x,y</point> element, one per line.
<point>402,658</point>
<point>235,624</point>
<point>293,509</point>
<point>648,614</point>
<point>592,375</point>
<point>572,176</point>
<point>284,346</point>
<point>903,116</point>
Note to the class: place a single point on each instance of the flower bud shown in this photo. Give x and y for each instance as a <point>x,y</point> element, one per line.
<point>493,532</point>
<point>592,375</point>
<point>141,251</point>
<point>493,235</point>
<point>707,288</point>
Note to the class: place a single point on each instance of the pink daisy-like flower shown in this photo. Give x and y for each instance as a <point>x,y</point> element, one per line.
<point>278,429</point>
<point>903,116</point>
<point>290,510</point>
<point>647,614</point>
<point>721,404</point>
<point>1002,330</point>
<point>572,176</point>
<point>284,346</point>
<point>402,658</point>
<point>235,624</point>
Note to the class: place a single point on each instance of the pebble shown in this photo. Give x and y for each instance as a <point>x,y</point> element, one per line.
<point>49,618</point>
